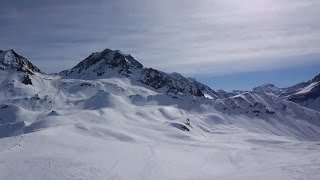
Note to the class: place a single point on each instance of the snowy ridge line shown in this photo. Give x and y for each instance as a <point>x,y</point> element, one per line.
<point>111,79</point>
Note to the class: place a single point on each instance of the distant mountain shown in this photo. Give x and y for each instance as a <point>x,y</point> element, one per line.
<point>268,88</point>
<point>306,93</point>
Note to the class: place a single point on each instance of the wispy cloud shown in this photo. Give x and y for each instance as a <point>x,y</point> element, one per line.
<point>192,37</point>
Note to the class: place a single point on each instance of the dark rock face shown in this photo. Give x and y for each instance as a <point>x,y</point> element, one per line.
<point>204,88</point>
<point>3,106</point>
<point>154,78</point>
<point>158,80</point>
<point>26,80</point>
<point>180,126</point>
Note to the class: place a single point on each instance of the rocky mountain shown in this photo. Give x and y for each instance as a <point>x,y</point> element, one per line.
<point>11,60</point>
<point>103,63</point>
<point>306,94</point>
<point>206,90</point>
<point>110,63</point>
<point>12,64</point>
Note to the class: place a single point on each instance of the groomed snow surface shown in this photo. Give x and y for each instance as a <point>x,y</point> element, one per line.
<point>112,129</point>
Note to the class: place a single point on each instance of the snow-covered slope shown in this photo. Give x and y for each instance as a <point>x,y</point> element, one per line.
<point>111,118</point>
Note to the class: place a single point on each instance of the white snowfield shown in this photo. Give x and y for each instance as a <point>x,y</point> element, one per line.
<point>115,128</point>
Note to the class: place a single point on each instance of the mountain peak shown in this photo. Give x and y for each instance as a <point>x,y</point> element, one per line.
<point>268,85</point>
<point>112,63</point>
<point>316,78</point>
<point>267,88</point>
<point>99,62</point>
<point>9,59</point>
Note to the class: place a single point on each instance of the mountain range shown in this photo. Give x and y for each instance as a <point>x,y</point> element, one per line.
<point>110,102</point>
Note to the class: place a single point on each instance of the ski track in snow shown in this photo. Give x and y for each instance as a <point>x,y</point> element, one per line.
<point>146,171</point>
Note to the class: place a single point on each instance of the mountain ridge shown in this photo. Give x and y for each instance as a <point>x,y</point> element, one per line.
<point>305,93</point>
<point>101,63</point>
<point>116,63</point>
<point>114,126</point>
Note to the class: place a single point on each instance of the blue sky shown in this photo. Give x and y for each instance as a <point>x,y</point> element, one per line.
<point>229,44</point>
<point>247,80</point>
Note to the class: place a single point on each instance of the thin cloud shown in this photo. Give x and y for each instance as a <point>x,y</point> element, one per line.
<point>192,37</point>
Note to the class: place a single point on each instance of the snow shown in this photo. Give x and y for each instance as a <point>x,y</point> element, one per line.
<point>308,88</point>
<point>208,96</point>
<point>70,153</point>
<point>113,127</point>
